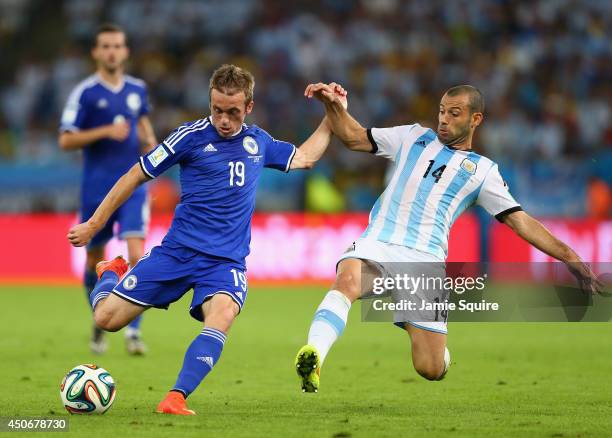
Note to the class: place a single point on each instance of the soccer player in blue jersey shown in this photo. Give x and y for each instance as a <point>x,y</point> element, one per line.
<point>221,159</point>
<point>436,177</point>
<point>106,117</point>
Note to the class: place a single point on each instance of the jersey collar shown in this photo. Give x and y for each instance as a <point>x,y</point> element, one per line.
<point>454,149</point>
<point>110,87</point>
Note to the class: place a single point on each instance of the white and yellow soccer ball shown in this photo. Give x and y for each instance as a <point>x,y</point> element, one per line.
<point>87,389</point>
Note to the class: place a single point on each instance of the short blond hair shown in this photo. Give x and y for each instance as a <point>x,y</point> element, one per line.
<point>231,79</point>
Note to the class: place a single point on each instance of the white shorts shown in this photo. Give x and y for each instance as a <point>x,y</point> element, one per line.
<point>398,259</point>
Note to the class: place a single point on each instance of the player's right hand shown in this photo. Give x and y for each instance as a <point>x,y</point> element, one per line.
<point>587,280</point>
<point>81,234</point>
<point>119,131</point>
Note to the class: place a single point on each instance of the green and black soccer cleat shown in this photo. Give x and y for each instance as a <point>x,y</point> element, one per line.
<point>308,367</point>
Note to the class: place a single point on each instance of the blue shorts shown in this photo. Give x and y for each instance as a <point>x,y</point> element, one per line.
<point>164,275</point>
<point>132,218</point>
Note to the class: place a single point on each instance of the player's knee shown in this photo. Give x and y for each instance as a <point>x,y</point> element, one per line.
<point>429,373</point>
<point>429,368</point>
<point>105,320</point>
<point>348,284</point>
<point>221,313</point>
<point>227,314</point>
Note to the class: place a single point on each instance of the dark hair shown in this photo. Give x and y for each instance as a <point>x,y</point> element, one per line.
<point>108,28</point>
<point>477,104</point>
<point>231,79</point>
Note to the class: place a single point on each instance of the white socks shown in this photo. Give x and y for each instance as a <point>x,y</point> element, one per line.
<point>131,332</point>
<point>329,322</point>
<point>447,362</point>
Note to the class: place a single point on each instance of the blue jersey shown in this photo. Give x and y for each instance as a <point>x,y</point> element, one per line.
<point>218,184</point>
<point>94,103</point>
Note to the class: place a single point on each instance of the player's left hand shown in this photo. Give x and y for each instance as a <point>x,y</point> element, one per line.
<point>340,94</point>
<point>587,280</point>
<point>81,234</point>
<point>327,93</point>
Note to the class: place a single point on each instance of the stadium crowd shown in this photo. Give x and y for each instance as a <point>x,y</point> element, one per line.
<point>544,67</point>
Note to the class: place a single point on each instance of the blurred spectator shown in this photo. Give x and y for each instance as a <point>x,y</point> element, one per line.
<point>544,66</point>
<point>599,200</point>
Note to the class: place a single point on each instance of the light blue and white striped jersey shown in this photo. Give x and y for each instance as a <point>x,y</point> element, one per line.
<point>431,185</point>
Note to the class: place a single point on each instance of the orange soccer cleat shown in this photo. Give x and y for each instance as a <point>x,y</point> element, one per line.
<point>118,265</point>
<point>174,404</point>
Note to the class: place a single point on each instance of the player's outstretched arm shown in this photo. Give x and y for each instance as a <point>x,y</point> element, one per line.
<point>343,125</point>
<point>313,149</point>
<point>81,234</point>
<point>146,134</point>
<point>309,152</point>
<point>538,235</point>
<point>72,140</point>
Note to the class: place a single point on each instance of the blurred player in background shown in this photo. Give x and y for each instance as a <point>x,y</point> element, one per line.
<point>221,159</point>
<point>106,117</point>
<point>436,177</point>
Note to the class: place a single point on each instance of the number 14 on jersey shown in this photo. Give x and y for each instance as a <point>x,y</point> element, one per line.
<point>437,174</point>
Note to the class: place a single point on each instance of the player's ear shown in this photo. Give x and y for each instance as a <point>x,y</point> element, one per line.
<point>249,107</point>
<point>476,119</point>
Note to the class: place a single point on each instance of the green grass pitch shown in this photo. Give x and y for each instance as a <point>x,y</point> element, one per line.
<point>506,379</point>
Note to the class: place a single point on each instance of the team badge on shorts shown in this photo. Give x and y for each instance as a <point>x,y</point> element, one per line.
<point>250,145</point>
<point>130,282</point>
<point>469,166</point>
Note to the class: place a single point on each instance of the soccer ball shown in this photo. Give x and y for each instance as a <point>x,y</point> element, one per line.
<point>87,389</point>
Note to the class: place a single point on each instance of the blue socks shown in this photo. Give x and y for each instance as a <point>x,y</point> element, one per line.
<point>134,325</point>
<point>103,288</point>
<point>200,358</point>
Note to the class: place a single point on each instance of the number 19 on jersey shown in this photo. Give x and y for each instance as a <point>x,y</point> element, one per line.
<point>236,173</point>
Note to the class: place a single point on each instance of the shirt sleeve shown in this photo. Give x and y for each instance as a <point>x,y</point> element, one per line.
<point>278,154</point>
<point>495,196</point>
<point>75,111</point>
<point>386,142</point>
<point>166,154</point>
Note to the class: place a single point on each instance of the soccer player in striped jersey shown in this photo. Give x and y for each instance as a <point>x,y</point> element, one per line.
<point>107,117</point>
<point>436,177</point>
<point>221,159</point>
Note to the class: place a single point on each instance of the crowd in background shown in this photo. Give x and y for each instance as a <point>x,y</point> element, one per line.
<point>544,67</point>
